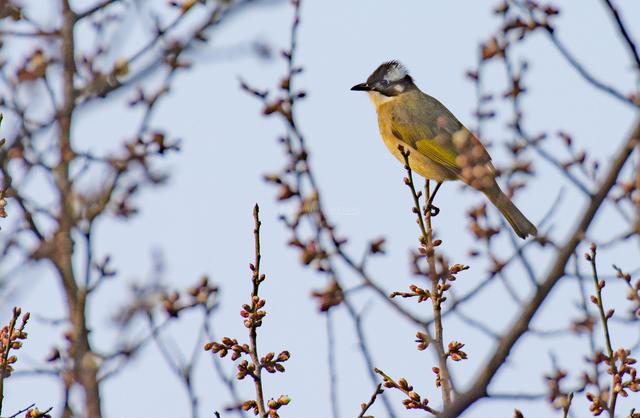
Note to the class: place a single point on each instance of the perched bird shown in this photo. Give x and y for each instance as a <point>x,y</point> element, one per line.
<point>441,148</point>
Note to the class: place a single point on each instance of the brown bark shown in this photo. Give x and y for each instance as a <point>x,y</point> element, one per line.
<point>85,370</point>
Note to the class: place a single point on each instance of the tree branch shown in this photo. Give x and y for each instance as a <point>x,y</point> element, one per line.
<point>557,271</point>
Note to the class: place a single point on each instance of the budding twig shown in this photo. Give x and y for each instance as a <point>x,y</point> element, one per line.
<point>365,406</point>
<point>10,337</point>
<point>426,240</point>
<point>253,333</point>
<point>254,314</point>
<point>604,319</point>
<point>414,400</point>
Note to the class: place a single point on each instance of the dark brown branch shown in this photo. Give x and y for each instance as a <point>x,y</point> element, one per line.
<point>85,372</point>
<point>625,34</point>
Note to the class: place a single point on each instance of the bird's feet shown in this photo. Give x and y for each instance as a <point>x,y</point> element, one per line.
<point>433,210</point>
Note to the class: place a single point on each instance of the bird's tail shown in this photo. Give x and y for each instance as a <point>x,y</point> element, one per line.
<point>511,213</point>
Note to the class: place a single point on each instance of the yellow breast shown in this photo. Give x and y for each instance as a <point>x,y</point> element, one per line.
<point>418,162</point>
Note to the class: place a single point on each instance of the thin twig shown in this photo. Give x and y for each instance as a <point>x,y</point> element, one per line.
<point>625,33</point>
<point>426,241</point>
<point>331,360</point>
<point>604,320</point>
<point>404,387</point>
<point>365,406</point>
<point>253,333</point>
<point>573,62</point>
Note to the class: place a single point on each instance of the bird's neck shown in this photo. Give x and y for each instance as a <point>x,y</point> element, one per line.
<point>379,99</point>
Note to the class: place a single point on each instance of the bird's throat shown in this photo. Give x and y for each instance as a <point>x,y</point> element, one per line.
<point>379,99</point>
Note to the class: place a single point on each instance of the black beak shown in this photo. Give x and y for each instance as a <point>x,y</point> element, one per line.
<point>361,87</point>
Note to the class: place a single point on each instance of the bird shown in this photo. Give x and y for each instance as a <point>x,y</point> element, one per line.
<point>440,147</point>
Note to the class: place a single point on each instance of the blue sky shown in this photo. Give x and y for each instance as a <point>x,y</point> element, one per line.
<point>201,221</point>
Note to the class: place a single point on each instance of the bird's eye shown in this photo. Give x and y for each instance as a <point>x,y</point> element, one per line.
<point>384,83</point>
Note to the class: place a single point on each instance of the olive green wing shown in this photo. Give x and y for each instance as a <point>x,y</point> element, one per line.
<point>419,129</point>
<point>463,140</point>
<point>425,124</point>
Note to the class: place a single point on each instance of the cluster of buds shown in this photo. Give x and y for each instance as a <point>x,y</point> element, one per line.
<point>310,252</point>
<point>252,313</point>
<point>273,364</point>
<point>171,303</point>
<point>330,296</point>
<point>627,190</point>
<point>377,246</point>
<point>283,104</point>
<point>250,405</point>
<point>225,346</point>
<point>585,324</point>
<point>493,48</point>
<point>556,396</point>
<point>423,340</point>
<point>626,377</point>
<point>203,293</point>
<point>420,293</point>
<point>285,190</point>
<point>413,400</point>
<point>275,404</point>
<point>245,368</point>
<point>598,402</point>
<point>436,371</point>
<point>516,88</point>
<point>454,270</point>
<point>11,338</point>
<point>442,276</point>
<point>137,153</point>
<point>455,352</point>
<point>140,148</point>
<point>577,157</point>
<point>480,224</point>
<point>36,413</point>
<point>539,16</point>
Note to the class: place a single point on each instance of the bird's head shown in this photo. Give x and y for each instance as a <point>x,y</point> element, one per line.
<point>389,79</point>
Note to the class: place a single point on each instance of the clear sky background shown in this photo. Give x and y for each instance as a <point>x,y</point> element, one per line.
<point>201,221</point>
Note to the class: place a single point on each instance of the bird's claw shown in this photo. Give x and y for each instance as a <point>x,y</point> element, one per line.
<point>433,210</point>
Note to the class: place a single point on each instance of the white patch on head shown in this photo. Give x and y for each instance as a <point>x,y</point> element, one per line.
<point>396,72</point>
<point>398,88</point>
